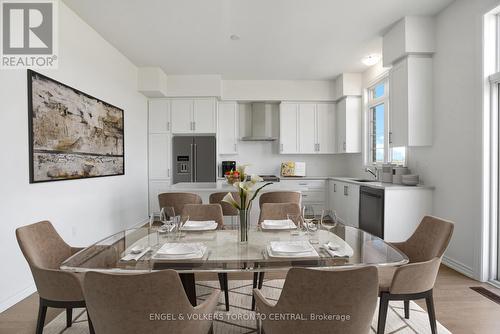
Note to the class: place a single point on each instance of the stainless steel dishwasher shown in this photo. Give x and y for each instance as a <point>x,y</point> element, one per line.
<point>371,210</point>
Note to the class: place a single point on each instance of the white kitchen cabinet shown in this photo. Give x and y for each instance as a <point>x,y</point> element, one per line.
<point>228,126</point>
<point>314,192</point>
<point>344,200</point>
<point>160,152</point>
<point>159,116</point>
<point>307,128</point>
<point>349,125</point>
<point>193,115</point>
<point>411,102</point>
<point>325,128</point>
<point>289,128</point>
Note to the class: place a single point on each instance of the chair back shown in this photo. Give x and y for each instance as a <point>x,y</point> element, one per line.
<point>430,239</point>
<point>178,200</point>
<point>130,304</point>
<point>279,197</point>
<point>204,212</point>
<point>351,292</point>
<point>227,209</point>
<point>45,251</point>
<point>275,211</point>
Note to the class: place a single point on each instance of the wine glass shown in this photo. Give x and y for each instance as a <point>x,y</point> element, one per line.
<point>297,220</point>
<point>329,219</point>
<point>179,222</point>
<point>309,217</point>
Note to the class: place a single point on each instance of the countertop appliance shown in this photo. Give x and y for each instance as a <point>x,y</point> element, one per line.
<point>371,210</point>
<point>194,159</point>
<point>227,166</point>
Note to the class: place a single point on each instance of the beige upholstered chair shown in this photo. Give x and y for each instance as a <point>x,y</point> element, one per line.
<point>274,211</point>
<point>279,197</point>
<point>210,212</point>
<point>45,251</point>
<point>227,209</point>
<point>204,212</point>
<point>350,293</point>
<point>415,280</point>
<point>178,200</point>
<point>131,304</point>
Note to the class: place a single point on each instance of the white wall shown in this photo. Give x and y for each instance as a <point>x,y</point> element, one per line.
<point>81,210</point>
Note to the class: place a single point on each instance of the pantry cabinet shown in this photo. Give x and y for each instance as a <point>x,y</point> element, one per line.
<point>228,126</point>
<point>307,128</point>
<point>194,115</point>
<point>411,102</point>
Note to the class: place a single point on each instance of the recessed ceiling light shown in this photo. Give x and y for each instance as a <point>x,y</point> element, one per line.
<point>371,59</point>
<point>234,37</point>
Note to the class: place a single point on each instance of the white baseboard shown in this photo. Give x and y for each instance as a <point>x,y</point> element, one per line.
<point>460,267</point>
<point>12,300</point>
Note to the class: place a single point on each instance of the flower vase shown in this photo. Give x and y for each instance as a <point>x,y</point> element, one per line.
<point>243,226</point>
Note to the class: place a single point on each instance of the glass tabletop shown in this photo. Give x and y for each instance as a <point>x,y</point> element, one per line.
<point>137,250</point>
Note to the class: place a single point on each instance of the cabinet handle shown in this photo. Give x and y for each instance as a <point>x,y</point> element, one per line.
<point>304,195</point>
<point>281,147</point>
<point>334,187</point>
<point>390,137</point>
<point>168,126</point>
<point>346,193</point>
<point>168,172</point>
<point>344,147</point>
<point>302,184</point>
<point>235,148</point>
<point>318,147</point>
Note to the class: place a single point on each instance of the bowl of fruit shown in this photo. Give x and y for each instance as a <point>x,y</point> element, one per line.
<point>232,176</point>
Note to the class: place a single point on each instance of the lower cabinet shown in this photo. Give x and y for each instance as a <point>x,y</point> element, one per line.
<point>344,200</point>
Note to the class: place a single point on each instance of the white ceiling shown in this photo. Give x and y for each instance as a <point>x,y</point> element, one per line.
<point>279,39</point>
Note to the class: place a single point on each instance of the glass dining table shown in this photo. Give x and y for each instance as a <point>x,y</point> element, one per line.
<point>223,253</point>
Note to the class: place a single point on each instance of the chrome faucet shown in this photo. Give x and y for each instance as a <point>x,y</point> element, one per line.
<point>374,173</point>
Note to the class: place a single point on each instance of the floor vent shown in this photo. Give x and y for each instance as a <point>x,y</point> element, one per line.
<point>487,293</point>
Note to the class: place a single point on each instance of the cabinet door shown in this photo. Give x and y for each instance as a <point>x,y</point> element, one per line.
<point>159,116</point>
<point>289,121</point>
<point>228,125</point>
<point>398,84</point>
<point>182,115</point>
<point>341,200</point>
<point>353,125</point>
<point>325,128</point>
<point>204,116</point>
<point>341,126</point>
<point>353,205</point>
<point>307,128</point>
<point>159,156</point>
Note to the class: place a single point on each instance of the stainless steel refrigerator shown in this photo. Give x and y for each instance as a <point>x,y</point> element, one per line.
<point>194,159</point>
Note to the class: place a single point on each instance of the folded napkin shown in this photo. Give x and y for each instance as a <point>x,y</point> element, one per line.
<point>198,250</point>
<point>135,257</point>
<point>199,224</point>
<point>338,251</point>
<point>278,224</point>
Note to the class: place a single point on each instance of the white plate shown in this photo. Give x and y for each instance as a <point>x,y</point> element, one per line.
<point>178,249</point>
<point>285,224</point>
<point>199,254</point>
<point>304,255</point>
<point>137,249</point>
<point>199,226</point>
<point>291,247</point>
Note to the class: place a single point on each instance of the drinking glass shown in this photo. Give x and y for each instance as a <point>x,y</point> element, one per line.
<point>329,219</point>
<point>297,220</point>
<point>309,217</point>
<point>179,222</point>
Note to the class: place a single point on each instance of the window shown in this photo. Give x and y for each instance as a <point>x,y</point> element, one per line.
<point>379,149</point>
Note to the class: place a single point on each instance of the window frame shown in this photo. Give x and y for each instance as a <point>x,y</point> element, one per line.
<point>371,103</point>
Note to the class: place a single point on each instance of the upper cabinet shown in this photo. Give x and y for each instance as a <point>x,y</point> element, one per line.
<point>228,128</point>
<point>307,128</point>
<point>349,125</point>
<point>159,116</point>
<point>411,102</point>
<point>193,115</point>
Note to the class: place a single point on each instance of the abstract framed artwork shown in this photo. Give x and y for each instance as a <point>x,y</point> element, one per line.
<point>72,135</point>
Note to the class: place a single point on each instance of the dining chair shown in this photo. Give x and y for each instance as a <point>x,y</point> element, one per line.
<point>415,280</point>
<point>145,303</point>
<point>271,211</point>
<point>227,209</point>
<point>178,200</point>
<point>210,212</point>
<point>45,251</point>
<point>308,292</point>
<point>280,197</point>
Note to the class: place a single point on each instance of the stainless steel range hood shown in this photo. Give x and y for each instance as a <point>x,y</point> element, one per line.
<point>262,119</point>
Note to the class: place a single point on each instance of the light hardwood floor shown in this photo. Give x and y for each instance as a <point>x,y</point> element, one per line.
<point>460,309</point>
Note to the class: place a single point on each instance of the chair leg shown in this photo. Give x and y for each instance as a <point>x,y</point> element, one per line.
<point>224,286</point>
<point>382,312</point>
<point>429,300</point>
<point>69,317</point>
<point>261,280</point>
<point>91,327</point>
<point>407,309</point>
<point>42,313</point>
<point>254,285</point>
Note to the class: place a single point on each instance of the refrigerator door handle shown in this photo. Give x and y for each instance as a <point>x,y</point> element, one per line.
<point>195,172</point>
<point>192,162</point>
